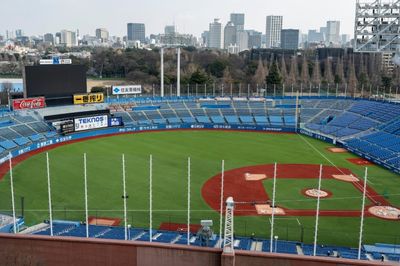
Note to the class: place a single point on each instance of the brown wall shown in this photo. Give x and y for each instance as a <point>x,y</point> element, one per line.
<point>43,250</point>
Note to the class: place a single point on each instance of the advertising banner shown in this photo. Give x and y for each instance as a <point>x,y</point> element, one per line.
<point>88,98</point>
<point>131,89</point>
<point>89,123</point>
<point>29,103</point>
<point>115,122</point>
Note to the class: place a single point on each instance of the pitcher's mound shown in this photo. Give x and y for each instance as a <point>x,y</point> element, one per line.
<point>346,178</point>
<point>265,209</point>
<point>337,150</point>
<point>313,193</point>
<point>254,177</point>
<point>385,212</point>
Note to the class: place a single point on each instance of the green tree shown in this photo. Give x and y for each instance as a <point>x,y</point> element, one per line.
<point>274,77</point>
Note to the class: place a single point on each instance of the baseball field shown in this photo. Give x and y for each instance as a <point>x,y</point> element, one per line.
<point>249,165</point>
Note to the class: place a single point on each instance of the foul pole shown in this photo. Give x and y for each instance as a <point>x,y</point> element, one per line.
<point>86,195</point>
<point>273,210</point>
<point>178,73</point>
<point>362,214</point>
<point>222,199</point>
<point>12,195</point>
<point>317,213</point>
<point>188,203</point>
<point>49,193</point>
<point>162,73</point>
<point>151,197</point>
<point>124,196</point>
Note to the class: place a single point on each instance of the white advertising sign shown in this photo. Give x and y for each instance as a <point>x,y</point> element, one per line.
<point>131,89</point>
<point>55,61</point>
<point>89,123</point>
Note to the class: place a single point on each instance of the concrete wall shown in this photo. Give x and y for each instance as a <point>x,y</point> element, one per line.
<point>43,250</point>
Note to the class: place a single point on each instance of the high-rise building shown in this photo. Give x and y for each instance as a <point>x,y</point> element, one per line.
<point>229,34</point>
<point>169,30</point>
<point>216,38</point>
<point>273,31</point>
<point>238,20</point>
<point>205,36</point>
<point>242,39</point>
<point>102,34</point>
<point>333,32</point>
<point>68,38</point>
<point>48,38</point>
<point>315,37</point>
<point>254,39</point>
<point>19,33</point>
<point>136,32</point>
<point>290,39</point>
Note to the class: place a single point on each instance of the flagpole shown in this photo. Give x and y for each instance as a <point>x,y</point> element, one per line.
<point>86,196</point>
<point>12,194</point>
<point>222,199</point>
<point>49,193</point>
<point>273,210</point>
<point>317,213</point>
<point>362,213</point>
<point>188,204</point>
<point>151,197</point>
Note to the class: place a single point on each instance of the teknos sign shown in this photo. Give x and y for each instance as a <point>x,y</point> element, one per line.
<point>29,103</point>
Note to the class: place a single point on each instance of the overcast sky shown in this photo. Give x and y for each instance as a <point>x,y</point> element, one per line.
<point>41,16</point>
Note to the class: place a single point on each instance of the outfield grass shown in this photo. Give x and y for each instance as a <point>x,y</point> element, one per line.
<point>206,149</point>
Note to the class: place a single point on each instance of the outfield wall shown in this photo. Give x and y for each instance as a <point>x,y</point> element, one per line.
<point>44,250</point>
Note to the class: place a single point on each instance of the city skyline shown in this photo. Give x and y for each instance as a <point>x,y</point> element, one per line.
<point>188,18</point>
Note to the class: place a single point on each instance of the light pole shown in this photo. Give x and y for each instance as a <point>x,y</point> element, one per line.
<point>276,244</point>
<point>129,232</point>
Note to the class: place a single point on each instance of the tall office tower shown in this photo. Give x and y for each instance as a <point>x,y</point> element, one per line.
<point>169,30</point>
<point>290,39</point>
<point>273,31</point>
<point>254,39</point>
<point>238,20</point>
<point>216,38</point>
<point>242,39</point>
<point>19,33</point>
<point>68,38</point>
<point>136,32</point>
<point>229,35</point>
<point>333,32</point>
<point>49,38</point>
<point>102,34</point>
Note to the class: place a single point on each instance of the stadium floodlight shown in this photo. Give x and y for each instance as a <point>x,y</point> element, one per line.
<point>86,195</point>
<point>221,210</point>
<point>12,194</point>
<point>188,201</point>
<point>273,208</point>
<point>49,193</point>
<point>362,213</point>
<point>317,212</point>
<point>229,226</point>
<point>151,197</point>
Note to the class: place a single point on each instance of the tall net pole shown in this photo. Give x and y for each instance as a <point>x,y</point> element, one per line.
<point>151,197</point>
<point>188,201</point>
<point>49,193</point>
<point>317,212</point>
<point>12,194</point>
<point>124,196</point>
<point>362,214</point>
<point>221,210</point>
<point>273,210</point>
<point>86,195</point>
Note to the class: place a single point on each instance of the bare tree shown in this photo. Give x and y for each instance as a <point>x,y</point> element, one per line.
<point>6,88</point>
<point>352,78</point>
<point>316,76</point>
<point>283,69</point>
<point>339,74</point>
<point>305,73</point>
<point>328,71</point>
<point>294,71</point>
<point>259,76</point>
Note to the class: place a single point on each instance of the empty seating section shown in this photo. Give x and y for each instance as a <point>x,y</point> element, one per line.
<point>24,130</point>
<point>8,144</point>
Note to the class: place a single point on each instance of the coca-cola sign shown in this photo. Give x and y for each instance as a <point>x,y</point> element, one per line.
<point>29,103</point>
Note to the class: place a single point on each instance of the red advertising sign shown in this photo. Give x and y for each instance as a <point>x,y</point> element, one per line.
<point>29,103</point>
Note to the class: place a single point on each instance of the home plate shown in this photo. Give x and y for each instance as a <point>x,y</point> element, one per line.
<point>265,209</point>
<point>346,178</point>
<point>254,177</point>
